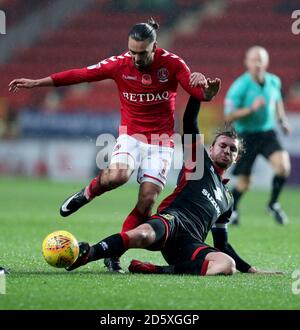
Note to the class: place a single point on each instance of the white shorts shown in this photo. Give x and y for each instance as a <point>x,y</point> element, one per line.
<point>152,162</point>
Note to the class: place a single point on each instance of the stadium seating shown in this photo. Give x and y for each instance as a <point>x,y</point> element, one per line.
<point>217,47</point>
<point>83,40</point>
<point>17,9</point>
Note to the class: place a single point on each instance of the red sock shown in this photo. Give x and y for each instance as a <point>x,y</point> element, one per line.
<point>94,188</point>
<point>133,220</point>
<point>204,267</point>
<point>125,239</point>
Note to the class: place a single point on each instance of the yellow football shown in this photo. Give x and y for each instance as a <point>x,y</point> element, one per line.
<point>60,249</point>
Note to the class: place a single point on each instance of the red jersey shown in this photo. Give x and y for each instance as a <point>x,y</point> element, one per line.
<point>147,97</point>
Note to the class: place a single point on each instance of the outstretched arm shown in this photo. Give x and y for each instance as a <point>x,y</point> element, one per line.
<point>70,77</point>
<point>220,238</point>
<point>201,89</point>
<point>64,78</point>
<point>29,83</point>
<point>190,125</point>
<point>193,148</point>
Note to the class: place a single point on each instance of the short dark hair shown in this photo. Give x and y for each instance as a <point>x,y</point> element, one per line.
<point>229,131</point>
<point>144,31</point>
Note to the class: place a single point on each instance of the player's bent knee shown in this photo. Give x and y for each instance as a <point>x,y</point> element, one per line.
<point>220,263</point>
<point>141,237</point>
<point>229,267</point>
<point>144,238</point>
<point>226,264</point>
<point>118,177</point>
<point>283,171</point>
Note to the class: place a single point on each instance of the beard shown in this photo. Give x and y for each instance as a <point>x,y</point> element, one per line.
<point>223,165</point>
<point>144,65</point>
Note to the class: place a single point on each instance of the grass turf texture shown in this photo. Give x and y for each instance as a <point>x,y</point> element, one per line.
<point>29,211</point>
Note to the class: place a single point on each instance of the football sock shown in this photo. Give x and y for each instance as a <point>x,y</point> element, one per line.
<point>94,188</point>
<point>133,220</point>
<point>189,267</point>
<point>278,183</point>
<point>236,197</point>
<point>112,246</point>
<point>192,267</point>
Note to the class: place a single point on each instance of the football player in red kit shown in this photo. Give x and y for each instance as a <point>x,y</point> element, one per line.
<point>147,78</point>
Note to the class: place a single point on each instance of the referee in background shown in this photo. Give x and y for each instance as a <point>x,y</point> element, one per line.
<point>254,104</point>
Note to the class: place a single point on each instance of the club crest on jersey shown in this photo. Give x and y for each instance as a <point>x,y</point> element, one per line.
<point>146,79</point>
<point>163,75</point>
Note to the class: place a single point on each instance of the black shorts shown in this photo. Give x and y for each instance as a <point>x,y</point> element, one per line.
<point>177,244</point>
<point>262,143</point>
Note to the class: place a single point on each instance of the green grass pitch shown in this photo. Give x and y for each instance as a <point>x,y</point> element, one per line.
<point>29,211</point>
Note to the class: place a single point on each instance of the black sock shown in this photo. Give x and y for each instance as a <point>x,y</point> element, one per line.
<point>236,197</point>
<point>112,246</point>
<point>189,267</point>
<point>278,183</point>
<point>165,269</point>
